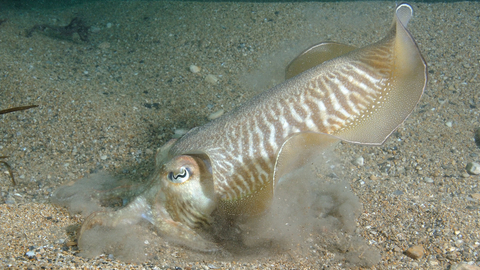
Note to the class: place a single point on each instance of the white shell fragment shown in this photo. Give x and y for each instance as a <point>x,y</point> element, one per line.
<point>211,79</point>
<point>359,161</point>
<point>194,69</point>
<point>216,114</point>
<point>179,132</point>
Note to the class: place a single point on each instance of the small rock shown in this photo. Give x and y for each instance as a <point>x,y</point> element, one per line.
<point>179,132</point>
<point>211,79</point>
<point>464,266</point>
<point>103,157</point>
<point>428,179</point>
<point>60,241</point>
<point>194,69</point>
<point>71,243</point>
<point>398,192</point>
<point>449,124</point>
<point>359,161</point>
<point>453,256</point>
<point>476,196</point>
<point>104,45</point>
<point>109,25</point>
<point>10,200</point>
<point>30,254</point>
<point>95,29</point>
<point>477,137</point>
<point>415,252</point>
<point>216,114</point>
<point>473,168</point>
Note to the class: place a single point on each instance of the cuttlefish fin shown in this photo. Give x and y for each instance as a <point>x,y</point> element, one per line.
<point>298,150</point>
<point>404,75</point>
<point>314,56</point>
<point>162,153</point>
<point>398,56</point>
<point>294,153</point>
<point>252,204</point>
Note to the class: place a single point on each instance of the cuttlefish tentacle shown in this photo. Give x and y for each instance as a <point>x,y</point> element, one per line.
<point>140,210</point>
<point>228,168</point>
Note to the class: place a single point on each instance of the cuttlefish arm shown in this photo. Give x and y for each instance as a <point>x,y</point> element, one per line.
<point>153,205</point>
<point>140,210</point>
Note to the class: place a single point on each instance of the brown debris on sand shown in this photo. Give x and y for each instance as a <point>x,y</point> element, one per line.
<point>21,108</point>
<point>76,25</point>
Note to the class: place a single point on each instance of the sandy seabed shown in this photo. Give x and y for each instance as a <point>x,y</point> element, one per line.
<point>107,104</point>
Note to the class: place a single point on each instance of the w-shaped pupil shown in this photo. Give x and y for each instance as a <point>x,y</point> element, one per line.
<point>183,174</point>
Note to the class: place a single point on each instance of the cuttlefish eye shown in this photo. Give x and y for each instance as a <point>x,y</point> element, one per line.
<point>182,175</point>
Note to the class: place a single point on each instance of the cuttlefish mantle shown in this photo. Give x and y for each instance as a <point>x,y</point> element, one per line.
<point>228,169</point>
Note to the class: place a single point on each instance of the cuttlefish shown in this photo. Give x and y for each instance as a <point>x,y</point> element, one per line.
<point>228,169</point>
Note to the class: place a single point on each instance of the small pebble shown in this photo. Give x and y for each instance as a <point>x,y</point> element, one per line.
<point>103,157</point>
<point>30,254</point>
<point>415,252</point>
<point>477,137</point>
<point>449,124</point>
<point>109,25</point>
<point>473,168</point>
<point>464,266</point>
<point>71,243</point>
<point>10,200</point>
<point>194,69</point>
<point>476,196</point>
<point>95,29</point>
<point>179,132</point>
<point>104,45</point>
<point>428,179</point>
<point>398,192</point>
<point>359,161</point>
<point>60,241</point>
<point>211,79</point>
<point>397,249</point>
<point>216,114</point>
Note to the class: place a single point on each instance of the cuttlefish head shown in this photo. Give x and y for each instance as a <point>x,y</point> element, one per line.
<point>178,203</point>
<point>187,190</point>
